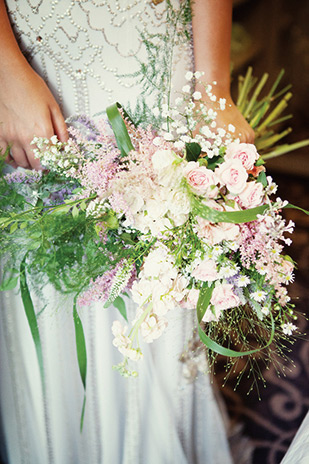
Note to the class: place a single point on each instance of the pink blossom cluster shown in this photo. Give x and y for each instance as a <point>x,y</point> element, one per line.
<point>100,288</point>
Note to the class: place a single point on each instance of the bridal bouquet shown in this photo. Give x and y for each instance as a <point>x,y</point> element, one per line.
<point>182,217</point>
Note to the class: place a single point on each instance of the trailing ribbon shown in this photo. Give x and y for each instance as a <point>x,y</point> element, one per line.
<point>81,355</point>
<point>119,128</point>
<point>31,317</point>
<point>202,304</point>
<point>236,217</point>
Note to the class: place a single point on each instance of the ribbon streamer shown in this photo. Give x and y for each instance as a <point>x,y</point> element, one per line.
<point>31,317</point>
<point>81,355</point>
<point>202,304</point>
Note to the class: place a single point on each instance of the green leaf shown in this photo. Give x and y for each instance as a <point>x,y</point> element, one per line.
<point>203,301</point>
<point>83,205</point>
<point>262,179</point>
<point>61,209</point>
<point>34,245</point>
<point>213,162</point>
<point>75,211</point>
<point>81,356</point>
<point>289,205</point>
<point>80,345</point>
<point>31,317</point>
<point>13,227</point>
<point>77,190</point>
<point>260,162</point>
<point>39,204</point>
<point>23,225</point>
<point>119,128</point>
<point>193,151</point>
<point>9,283</point>
<point>121,306</point>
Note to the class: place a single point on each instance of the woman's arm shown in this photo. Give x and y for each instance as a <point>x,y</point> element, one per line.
<point>27,107</point>
<point>212,25</point>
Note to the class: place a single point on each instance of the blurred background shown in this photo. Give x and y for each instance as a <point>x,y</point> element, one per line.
<point>270,35</point>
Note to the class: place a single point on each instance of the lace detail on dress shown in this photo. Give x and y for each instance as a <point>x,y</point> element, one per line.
<point>95,51</point>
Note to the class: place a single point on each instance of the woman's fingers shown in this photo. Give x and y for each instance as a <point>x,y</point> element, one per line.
<point>28,109</point>
<point>58,122</point>
<point>34,163</point>
<point>19,155</point>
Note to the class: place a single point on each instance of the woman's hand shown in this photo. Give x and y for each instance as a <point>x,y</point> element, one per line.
<point>27,108</point>
<point>232,116</point>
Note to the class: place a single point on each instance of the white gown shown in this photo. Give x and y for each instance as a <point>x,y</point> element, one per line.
<point>298,452</point>
<point>82,49</point>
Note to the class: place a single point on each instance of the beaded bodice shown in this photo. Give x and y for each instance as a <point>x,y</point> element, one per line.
<point>93,52</point>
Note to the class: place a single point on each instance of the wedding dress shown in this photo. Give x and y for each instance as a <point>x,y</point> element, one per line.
<point>299,448</point>
<point>90,54</point>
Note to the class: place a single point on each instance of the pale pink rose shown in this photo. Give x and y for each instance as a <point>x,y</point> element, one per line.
<point>232,174</point>
<point>245,152</point>
<point>206,271</point>
<point>192,298</point>
<point>223,297</point>
<point>201,180</point>
<point>229,231</point>
<point>152,327</point>
<point>209,231</point>
<point>179,288</point>
<point>252,195</point>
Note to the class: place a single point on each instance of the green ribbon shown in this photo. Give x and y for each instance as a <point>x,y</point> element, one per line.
<point>235,217</point>
<point>31,317</point>
<point>202,304</point>
<point>119,128</point>
<point>81,355</point>
<point>296,207</point>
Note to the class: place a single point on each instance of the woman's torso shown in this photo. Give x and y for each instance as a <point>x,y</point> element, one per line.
<point>92,53</point>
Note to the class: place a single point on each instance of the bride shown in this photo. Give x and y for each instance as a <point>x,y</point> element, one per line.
<point>76,57</point>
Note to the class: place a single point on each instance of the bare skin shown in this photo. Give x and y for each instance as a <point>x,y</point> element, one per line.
<point>212,25</point>
<point>28,108</point>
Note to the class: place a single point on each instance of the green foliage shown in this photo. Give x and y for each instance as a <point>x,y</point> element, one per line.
<point>193,151</point>
<point>155,72</point>
<point>263,114</point>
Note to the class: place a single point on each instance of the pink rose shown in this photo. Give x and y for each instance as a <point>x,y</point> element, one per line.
<point>229,231</point>
<point>201,180</point>
<point>223,297</point>
<point>245,152</point>
<point>206,271</point>
<point>192,298</point>
<point>232,174</point>
<point>209,231</point>
<point>252,195</point>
